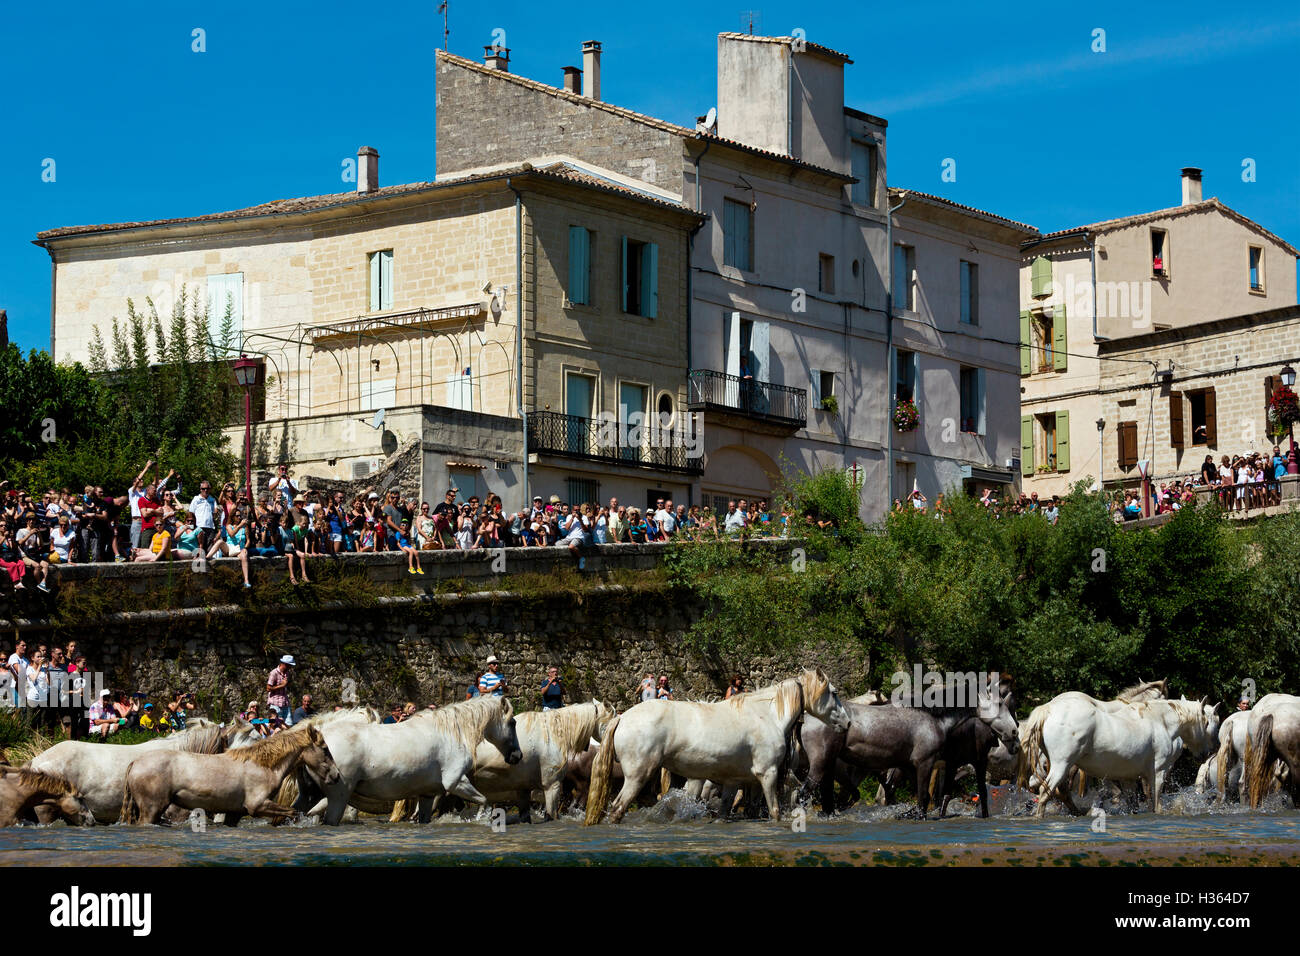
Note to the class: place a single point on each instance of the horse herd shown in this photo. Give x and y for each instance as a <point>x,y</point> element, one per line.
<point>789,742</point>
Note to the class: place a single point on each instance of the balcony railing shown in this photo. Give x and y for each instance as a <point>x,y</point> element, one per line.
<point>710,390</point>
<point>641,445</point>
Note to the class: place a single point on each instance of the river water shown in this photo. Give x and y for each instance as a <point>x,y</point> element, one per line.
<point>1190,831</point>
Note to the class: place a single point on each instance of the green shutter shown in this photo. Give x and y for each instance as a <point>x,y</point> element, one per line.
<point>579,269</point>
<point>1026,344</point>
<point>1026,445</point>
<point>1060,357</point>
<point>1040,277</point>
<point>1062,441</point>
<point>650,280</point>
<point>625,273</point>
<point>374,282</point>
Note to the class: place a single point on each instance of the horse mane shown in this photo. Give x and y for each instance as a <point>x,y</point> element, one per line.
<point>786,695</point>
<point>271,751</point>
<point>37,780</point>
<point>1144,690</point>
<point>207,738</point>
<point>870,698</point>
<point>571,727</point>
<point>466,721</point>
<point>370,715</point>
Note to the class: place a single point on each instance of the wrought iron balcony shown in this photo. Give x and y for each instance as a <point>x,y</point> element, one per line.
<point>606,439</point>
<point>750,398</point>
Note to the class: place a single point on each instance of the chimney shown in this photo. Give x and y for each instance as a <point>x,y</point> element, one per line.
<point>1191,185</point>
<point>573,80</point>
<point>591,69</point>
<point>367,169</point>
<point>496,58</point>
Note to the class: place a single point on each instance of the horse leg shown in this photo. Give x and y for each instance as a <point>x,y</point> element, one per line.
<point>467,791</point>
<point>1056,783</point>
<point>551,800</point>
<point>981,784</point>
<point>524,798</point>
<point>269,808</point>
<point>232,818</point>
<point>634,778</point>
<point>424,809</point>
<point>768,781</point>
<point>695,789</point>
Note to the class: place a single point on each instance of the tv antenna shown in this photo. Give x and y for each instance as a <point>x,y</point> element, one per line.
<point>442,8</point>
<point>750,17</point>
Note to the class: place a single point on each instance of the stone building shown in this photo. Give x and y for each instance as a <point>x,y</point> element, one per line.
<point>1122,279</point>
<point>407,299</point>
<point>788,348</point>
<point>1175,395</point>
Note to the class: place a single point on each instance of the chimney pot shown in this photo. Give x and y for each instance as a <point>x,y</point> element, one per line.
<point>591,69</point>
<point>367,169</point>
<point>573,80</point>
<point>1191,185</point>
<point>496,58</point>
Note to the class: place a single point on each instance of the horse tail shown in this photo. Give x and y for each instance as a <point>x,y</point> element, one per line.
<point>1258,745</point>
<point>1031,745</point>
<point>130,809</point>
<point>601,769</point>
<point>1222,757</point>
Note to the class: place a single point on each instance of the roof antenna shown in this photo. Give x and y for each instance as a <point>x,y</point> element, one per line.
<point>442,8</point>
<point>750,16</point>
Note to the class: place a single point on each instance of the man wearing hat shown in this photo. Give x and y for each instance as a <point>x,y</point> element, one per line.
<point>104,719</point>
<point>277,689</point>
<point>490,682</point>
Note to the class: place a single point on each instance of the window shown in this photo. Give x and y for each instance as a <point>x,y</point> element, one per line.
<point>1256,255</point>
<point>1043,341</point>
<point>1127,434</point>
<point>1044,443</point>
<point>666,410</point>
<point>904,272</point>
<point>1043,338</point>
<point>1159,253</point>
<point>823,387</point>
<point>1040,278</point>
<point>580,245</point>
<point>226,296</point>
<point>1202,407</point>
<point>378,393</point>
<point>972,400</point>
<point>381,280</point>
<point>862,160</point>
<point>465,482</point>
<point>1045,446</point>
<point>640,278</point>
<point>825,273</point>
<point>970,293</point>
<point>737,235</point>
<point>580,490</point>
<point>632,415</point>
<point>904,375</point>
<point>579,398</point>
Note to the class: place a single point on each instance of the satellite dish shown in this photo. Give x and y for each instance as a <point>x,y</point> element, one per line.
<point>378,421</point>
<point>711,119</point>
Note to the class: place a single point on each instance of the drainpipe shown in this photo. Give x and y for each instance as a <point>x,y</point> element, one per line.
<point>1092,255</point>
<point>690,260</point>
<point>519,325</point>
<point>889,347</point>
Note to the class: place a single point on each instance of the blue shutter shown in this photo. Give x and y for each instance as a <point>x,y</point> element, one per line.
<point>650,280</point>
<point>625,273</point>
<point>579,270</point>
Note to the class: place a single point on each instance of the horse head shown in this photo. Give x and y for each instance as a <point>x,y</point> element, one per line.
<point>502,733</point>
<point>317,759</point>
<point>821,700</point>
<point>72,807</point>
<point>995,706</point>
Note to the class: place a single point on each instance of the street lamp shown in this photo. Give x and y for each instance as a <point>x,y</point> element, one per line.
<point>1101,456</point>
<point>246,376</point>
<point>1292,467</point>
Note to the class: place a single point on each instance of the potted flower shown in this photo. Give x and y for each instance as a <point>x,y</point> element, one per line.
<point>1283,411</point>
<point>906,417</point>
<point>831,404</point>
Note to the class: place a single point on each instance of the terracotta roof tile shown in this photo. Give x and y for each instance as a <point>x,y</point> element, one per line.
<point>788,41</point>
<point>895,191</point>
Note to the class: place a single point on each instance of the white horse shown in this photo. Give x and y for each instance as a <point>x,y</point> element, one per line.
<point>742,740</point>
<point>547,738</point>
<point>1222,771</point>
<point>1273,736</point>
<point>423,757</point>
<point>1141,741</point>
<point>98,770</point>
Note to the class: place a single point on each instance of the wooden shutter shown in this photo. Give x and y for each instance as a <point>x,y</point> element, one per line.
<point>579,270</point>
<point>1176,439</point>
<point>624,273</point>
<point>1211,423</point>
<point>1062,441</point>
<point>815,387</point>
<point>1026,445</point>
<point>1060,358</point>
<point>1268,395</point>
<point>1128,454</point>
<point>1040,277</point>
<point>386,280</point>
<point>1026,344</point>
<point>650,280</point>
<point>374,282</point>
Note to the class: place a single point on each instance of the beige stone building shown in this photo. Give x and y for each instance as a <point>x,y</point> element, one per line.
<point>1104,284</point>
<point>1174,396</point>
<point>789,343</point>
<point>408,299</point>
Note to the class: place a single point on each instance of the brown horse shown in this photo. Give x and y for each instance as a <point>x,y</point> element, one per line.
<point>235,783</point>
<point>23,792</point>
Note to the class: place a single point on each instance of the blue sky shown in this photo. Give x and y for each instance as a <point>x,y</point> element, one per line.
<point>1043,129</point>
